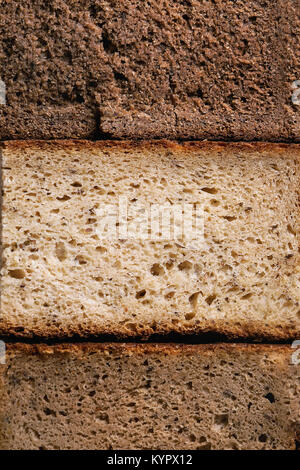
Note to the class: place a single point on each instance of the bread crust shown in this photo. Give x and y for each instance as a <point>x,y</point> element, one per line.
<point>283,148</point>
<point>255,331</point>
<point>147,348</point>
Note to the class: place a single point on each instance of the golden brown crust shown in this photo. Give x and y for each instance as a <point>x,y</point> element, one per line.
<point>146,348</point>
<point>256,331</point>
<point>166,144</point>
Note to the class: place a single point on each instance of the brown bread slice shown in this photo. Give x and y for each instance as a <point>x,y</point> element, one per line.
<point>200,69</point>
<point>149,396</point>
<point>62,276</point>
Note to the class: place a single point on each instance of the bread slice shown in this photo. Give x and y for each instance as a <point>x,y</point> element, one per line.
<point>234,270</point>
<point>204,69</point>
<point>149,396</point>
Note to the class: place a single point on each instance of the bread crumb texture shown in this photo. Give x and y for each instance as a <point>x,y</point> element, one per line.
<point>60,277</point>
<point>200,69</point>
<point>149,396</point>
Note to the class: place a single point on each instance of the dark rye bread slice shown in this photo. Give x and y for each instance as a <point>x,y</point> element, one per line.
<point>204,69</point>
<point>149,396</point>
<point>63,274</point>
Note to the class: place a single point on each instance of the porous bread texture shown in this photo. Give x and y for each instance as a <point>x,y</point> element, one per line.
<point>148,396</point>
<point>200,69</point>
<point>60,278</point>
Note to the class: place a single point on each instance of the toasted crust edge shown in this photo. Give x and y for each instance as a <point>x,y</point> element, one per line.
<point>150,144</point>
<point>256,331</point>
<point>146,348</point>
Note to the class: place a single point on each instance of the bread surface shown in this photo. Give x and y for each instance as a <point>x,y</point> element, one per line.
<point>149,396</point>
<point>62,275</point>
<point>157,69</point>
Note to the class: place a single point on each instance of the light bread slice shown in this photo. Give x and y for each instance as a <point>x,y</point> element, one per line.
<point>63,274</point>
<point>149,396</point>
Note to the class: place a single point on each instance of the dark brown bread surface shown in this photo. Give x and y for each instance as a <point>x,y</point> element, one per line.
<point>194,70</point>
<point>149,396</point>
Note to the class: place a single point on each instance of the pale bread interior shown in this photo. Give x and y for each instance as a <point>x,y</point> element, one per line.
<point>60,277</point>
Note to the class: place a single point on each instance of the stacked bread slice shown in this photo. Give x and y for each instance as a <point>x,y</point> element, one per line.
<point>150,288</point>
<point>149,396</point>
<point>199,69</point>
